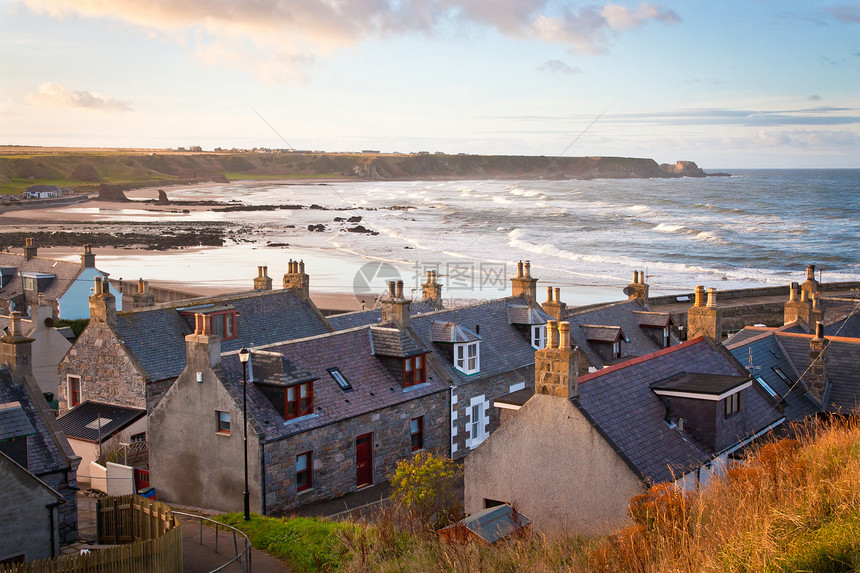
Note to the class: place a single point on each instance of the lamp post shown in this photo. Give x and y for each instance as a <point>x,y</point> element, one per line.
<point>244,355</point>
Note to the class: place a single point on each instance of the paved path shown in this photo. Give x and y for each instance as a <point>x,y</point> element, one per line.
<point>197,558</point>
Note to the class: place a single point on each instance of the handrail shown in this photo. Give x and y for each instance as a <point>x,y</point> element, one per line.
<point>246,552</point>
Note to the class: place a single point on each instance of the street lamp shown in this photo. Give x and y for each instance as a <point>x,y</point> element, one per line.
<point>244,355</point>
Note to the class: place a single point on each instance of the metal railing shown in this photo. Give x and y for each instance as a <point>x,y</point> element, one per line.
<point>242,558</point>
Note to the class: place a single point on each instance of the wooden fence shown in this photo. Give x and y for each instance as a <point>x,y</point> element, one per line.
<point>150,538</point>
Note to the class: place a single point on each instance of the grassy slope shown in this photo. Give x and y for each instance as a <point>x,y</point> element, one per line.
<point>794,507</point>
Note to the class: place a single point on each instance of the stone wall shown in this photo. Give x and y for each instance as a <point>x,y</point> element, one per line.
<point>333,451</point>
<point>108,372</point>
<point>65,484</point>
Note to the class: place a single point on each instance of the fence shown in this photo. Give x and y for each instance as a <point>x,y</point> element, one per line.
<point>241,558</point>
<point>151,538</point>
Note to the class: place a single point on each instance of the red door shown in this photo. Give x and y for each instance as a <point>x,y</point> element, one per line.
<point>364,460</point>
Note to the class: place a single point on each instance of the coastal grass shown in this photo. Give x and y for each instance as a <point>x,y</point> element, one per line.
<point>273,177</point>
<point>793,505</point>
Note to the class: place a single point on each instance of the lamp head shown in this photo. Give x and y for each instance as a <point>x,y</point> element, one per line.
<point>244,355</point>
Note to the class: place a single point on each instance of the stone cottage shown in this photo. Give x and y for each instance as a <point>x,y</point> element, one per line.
<point>327,414</point>
<point>27,278</point>
<point>582,446</point>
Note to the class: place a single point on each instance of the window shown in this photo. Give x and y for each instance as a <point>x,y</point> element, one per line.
<point>666,340</point>
<point>224,325</point>
<point>340,379</point>
<point>782,375</point>
<point>414,371</point>
<point>616,349</point>
<point>467,357</point>
<point>74,390</point>
<point>304,469</point>
<point>300,400</point>
<point>538,336</point>
<point>416,429</point>
<point>30,283</point>
<point>733,404</point>
<point>141,437</point>
<point>223,422</point>
<point>767,387</point>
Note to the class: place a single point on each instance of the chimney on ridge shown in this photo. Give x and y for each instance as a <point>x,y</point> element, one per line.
<point>88,259</point>
<point>638,288</point>
<point>395,308</point>
<point>262,281</point>
<point>431,291</point>
<point>810,285</point>
<point>524,284</point>
<point>817,376</point>
<point>29,249</point>
<point>102,303</point>
<point>16,350</point>
<point>203,347</point>
<point>142,297</point>
<point>296,278</point>
<point>553,305</point>
<point>705,319</point>
<point>797,308</point>
<point>557,365</point>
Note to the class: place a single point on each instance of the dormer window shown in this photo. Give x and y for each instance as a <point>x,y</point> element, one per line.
<point>732,404</point>
<point>414,370</point>
<point>467,357</point>
<point>538,336</point>
<point>299,400</point>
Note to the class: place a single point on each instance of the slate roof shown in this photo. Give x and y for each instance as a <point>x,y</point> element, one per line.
<point>373,315</point>
<point>841,317</point>
<point>527,314</point>
<point>156,335</point>
<point>373,385</point>
<point>92,420</point>
<point>761,353</point>
<point>448,331</point>
<point>595,333</point>
<point>394,342</point>
<point>653,319</point>
<point>14,423</point>
<point>66,272</point>
<point>842,356</point>
<point>494,523</point>
<point>625,315</point>
<point>503,348</point>
<point>274,369</point>
<point>43,452</point>
<point>619,402</point>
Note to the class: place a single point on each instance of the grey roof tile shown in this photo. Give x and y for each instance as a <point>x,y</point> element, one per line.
<point>394,342</point>
<point>14,423</point>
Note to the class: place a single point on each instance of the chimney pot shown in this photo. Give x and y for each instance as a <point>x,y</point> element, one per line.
<point>712,297</point>
<point>557,294</point>
<point>803,295</point>
<point>810,272</point>
<point>819,330</point>
<point>549,294</point>
<point>16,323</point>
<point>399,289</point>
<point>528,269</point>
<point>552,332</point>
<point>302,266</point>
<point>564,335</point>
<point>635,277</point>
<point>792,293</point>
<point>700,295</point>
<point>519,269</point>
<point>98,289</point>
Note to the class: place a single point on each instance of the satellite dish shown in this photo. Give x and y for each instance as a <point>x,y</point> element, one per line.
<point>628,290</point>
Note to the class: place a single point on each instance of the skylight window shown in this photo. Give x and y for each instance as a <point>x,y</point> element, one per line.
<point>767,387</point>
<point>340,379</point>
<point>782,375</point>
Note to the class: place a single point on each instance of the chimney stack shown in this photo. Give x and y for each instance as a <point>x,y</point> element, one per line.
<point>816,380</point>
<point>524,284</point>
<point>705,320</point>
<point>797,310</point>
<point>142,297</point>
<point>29,249</point>
<point>637,289</point>
<point>262,281</point>
<point>553,305</point>
<point>810,285</point>
<point>88,259</point>
<point>296,278</point>
<point>16,350</point>
<point>557,365</point>
<point>203,347</point>
<point>102,303</point>
<point>817,313</point>
<point>431,291</point>
<point>395,308</point>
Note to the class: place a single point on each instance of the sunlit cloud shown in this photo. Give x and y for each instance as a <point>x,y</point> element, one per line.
<point>846,13</point>
<point>281,39</point>
<point>57,95</point>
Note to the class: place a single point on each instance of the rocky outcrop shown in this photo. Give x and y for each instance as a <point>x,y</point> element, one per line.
<point>683,169</point>
<point>111,193</point>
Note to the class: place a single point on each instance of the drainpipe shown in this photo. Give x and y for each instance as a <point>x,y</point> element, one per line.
<point>263,475</point>
<point>51,508</point>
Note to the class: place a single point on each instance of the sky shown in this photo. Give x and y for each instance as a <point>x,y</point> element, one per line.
<point>727,84</point>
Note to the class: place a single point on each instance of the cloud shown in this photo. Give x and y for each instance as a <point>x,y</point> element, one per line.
<point>814,97</point>
<point>282,38</point>
<point>849,13</point>
<point>559,67</point>
<point>57,95</point>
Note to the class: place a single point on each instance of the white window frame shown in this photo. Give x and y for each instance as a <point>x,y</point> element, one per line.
<point>538,336</point>
<point>464,360</point>
<point>69,378</point>
<point>476,426</point>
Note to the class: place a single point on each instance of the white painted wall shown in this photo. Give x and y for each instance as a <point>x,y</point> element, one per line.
<point>49,347</point>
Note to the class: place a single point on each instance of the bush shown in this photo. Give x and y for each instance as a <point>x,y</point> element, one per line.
<point>424,490</point>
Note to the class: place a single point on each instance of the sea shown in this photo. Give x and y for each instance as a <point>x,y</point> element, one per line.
<point>754,228</point>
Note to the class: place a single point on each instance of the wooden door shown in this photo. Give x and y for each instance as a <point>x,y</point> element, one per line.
<point>364,460</point>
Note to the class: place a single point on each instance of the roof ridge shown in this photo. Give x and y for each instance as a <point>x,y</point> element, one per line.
<point>640,359</point>
<point>750,340</point>
<point>846,339</point>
